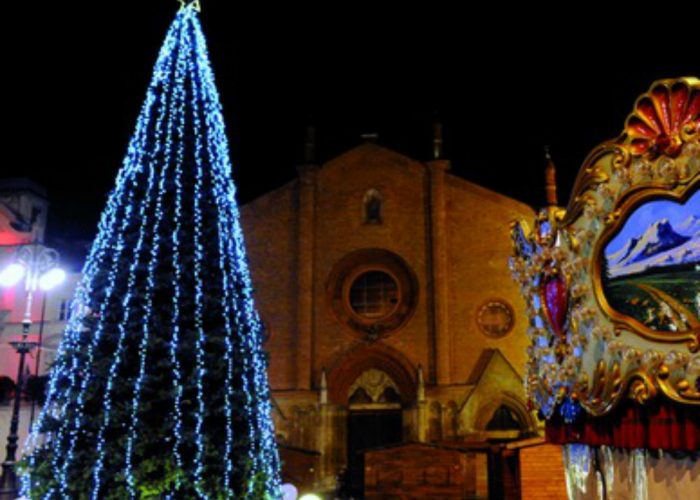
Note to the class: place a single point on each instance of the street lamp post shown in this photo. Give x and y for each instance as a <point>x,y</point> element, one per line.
<point>37,265</point>
<point>8,484</point>
<point>37,362</point>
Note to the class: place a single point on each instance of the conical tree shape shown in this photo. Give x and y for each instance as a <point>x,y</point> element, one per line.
<point>160,386</point>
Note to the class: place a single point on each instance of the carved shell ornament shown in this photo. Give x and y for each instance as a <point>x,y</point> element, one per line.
<point>664,119</point>
<point>612,282</point>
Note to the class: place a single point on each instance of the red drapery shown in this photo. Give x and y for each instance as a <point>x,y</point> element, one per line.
<point>661,424</point>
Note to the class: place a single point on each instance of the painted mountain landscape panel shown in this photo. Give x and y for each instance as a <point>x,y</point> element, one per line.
<point>651,268</point>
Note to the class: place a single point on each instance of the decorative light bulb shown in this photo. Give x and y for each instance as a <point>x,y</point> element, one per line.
<point>11,275</point>
<point>52,279</point>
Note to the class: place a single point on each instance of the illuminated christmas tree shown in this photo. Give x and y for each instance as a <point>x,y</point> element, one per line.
<point>160,386</point>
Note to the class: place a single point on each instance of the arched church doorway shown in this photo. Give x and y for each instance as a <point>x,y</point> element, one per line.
<point>374,420</point>
<point>504,420</point>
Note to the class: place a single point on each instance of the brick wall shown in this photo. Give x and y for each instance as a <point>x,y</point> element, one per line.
<point>542,473</point>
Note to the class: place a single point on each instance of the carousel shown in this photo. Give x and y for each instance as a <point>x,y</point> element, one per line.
<point>612,284</point>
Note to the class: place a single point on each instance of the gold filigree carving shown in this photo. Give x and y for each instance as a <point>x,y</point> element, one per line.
<point>603,356</point>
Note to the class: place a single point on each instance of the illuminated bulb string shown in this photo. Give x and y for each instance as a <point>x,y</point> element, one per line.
<point>123,332</point>
<point>199,290</point>
<point>108,244</point>
<point>261,431</point>
<point>176,264</point>
<point>224,264</point>
<point>150,280</point>
<point>265,460</point>
<point>145,218</point>
<point>161,79</point>
<point>173,192</point>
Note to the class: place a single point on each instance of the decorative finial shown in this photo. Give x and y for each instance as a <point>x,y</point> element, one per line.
<point>195,4</point>
<point>437,138</point>
<point>550,175</point>
<point>323,396</point>
<point>421,385</point>
<point>310,145</point>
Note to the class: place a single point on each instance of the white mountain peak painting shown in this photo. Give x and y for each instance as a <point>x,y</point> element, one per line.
<point>659,234</point>
<point>651,271</point>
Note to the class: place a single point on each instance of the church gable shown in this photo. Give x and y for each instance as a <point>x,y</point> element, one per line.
<point>372,158</point>
<point>496,395</point>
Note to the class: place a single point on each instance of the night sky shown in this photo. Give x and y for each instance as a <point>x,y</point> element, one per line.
<point>503,85</point>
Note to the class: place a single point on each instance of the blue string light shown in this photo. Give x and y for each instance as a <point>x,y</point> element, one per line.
<point>177,267</point>
<point>261,431</point>
<point>224,265</point>
<point>150,281</point>
<point>199,286</point>
<point>108,244</point>
<point>177,166</point>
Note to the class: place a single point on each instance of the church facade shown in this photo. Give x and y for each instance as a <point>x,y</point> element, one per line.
<point>391,315</point>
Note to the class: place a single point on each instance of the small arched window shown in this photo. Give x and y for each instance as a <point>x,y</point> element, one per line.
<point>359,397</point>
<point>372,207</point>
<point>389,396</point>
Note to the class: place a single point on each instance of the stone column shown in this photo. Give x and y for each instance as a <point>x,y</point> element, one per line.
<point>325,432</point>
<point>421,408</point>
<point>305,281</point>
<point>438,223</point>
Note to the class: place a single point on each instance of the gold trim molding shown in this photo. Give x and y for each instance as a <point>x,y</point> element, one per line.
<point>604,356</point>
